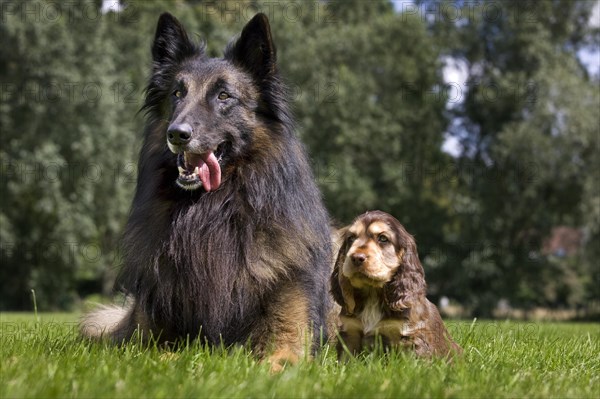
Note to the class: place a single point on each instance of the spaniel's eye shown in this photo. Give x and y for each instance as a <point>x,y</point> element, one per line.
<point>178,93</point>
<point>382,239</point>
<point>223,96</point>
<point>350,239</point>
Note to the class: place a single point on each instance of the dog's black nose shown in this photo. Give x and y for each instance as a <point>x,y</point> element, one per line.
<point>358,258</point>
<point>179,134</point>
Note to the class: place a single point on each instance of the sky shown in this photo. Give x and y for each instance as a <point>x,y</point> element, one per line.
<point>591,57</point>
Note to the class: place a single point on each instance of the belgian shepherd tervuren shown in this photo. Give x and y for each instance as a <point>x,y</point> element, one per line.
<point>227,239</point>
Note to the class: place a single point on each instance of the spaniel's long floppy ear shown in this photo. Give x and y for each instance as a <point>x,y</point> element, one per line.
<point>341,289</point>
<point>408,284</point>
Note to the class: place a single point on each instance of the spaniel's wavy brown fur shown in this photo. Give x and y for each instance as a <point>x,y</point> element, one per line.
<point>380,284</point>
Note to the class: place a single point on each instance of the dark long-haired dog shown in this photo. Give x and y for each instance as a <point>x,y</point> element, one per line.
<point>380,284</point>
<point>227,239</point>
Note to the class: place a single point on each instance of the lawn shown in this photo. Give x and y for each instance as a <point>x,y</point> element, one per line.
<point>45,358</point>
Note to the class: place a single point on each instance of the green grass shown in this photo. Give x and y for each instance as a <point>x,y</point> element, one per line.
<point>45,358</point>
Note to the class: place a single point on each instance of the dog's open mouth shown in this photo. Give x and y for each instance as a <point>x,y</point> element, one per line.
<point>200,170</point>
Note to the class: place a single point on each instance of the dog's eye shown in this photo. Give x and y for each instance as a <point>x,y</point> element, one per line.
<point>178,93</point>
<point>350,239</point>
<point>382,239</point>
<point>223,96</point>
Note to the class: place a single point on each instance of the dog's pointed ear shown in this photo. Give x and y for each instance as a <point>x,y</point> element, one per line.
<point>408,284</point>
<point>254,51</point>
<point>341,289</point>
<point>171,42</point>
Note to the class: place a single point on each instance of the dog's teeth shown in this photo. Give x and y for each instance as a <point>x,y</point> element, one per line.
<point>181,170</point>
<point>196,170</point>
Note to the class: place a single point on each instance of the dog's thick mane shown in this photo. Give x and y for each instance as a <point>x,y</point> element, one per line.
<point>212,259</point>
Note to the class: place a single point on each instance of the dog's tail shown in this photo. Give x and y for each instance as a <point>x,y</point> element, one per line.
<point>107,322</point>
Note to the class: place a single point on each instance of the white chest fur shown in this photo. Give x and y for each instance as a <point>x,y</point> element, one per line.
<point>371,314</point>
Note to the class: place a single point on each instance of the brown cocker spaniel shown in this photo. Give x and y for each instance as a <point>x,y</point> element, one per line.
<point>380,284</point>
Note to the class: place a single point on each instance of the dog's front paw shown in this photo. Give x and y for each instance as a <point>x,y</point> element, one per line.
<point>280,359</point>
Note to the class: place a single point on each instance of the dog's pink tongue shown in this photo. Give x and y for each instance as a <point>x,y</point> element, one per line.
<point>210,172</point>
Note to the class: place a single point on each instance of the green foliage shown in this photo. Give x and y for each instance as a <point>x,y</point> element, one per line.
<point>61,144</point>
<point>501,360</point>
<point>529,130</point>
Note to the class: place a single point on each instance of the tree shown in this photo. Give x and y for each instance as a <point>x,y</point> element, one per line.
<point>530,137</point>
<point>61,153</point>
